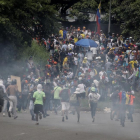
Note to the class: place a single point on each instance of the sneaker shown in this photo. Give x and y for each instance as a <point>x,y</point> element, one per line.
<point>66,117</point>
<point>3,114</point>
<point>16,117</point>
<point>47,115</point>
<point>9,113</point>
<point>63,119</point>
<point>40,115</point>
<point>37,123</point>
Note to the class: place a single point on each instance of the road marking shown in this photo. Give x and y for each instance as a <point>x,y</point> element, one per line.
<point>20,134</point>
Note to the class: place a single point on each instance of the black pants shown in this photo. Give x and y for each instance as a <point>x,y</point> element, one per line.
<point>56,104</point>
<point>93,108</point>
<point>19,105</point>
<point>24,101</point>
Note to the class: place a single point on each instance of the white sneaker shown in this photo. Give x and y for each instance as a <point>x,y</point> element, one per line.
<point>3,114</point>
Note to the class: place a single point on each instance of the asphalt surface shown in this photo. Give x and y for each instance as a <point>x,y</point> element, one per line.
<point>52,128</point>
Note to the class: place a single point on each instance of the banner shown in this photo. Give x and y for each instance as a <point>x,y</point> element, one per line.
<point>18,81</point>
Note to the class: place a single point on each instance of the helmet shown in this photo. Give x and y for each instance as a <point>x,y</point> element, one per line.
<point>93,89</point>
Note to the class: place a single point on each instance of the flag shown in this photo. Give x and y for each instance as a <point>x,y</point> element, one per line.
<point>98,15</point>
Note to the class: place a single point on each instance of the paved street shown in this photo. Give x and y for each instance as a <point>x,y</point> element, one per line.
<point>52,128</point>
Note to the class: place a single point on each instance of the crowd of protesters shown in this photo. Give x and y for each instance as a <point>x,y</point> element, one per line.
<point>75,73</point>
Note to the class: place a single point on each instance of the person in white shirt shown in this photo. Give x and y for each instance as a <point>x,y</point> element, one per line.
<point>89,33</point>
<point>5,101</point>
<point>109,44</point>
<point>70,46</point>
<point>89,55</point>
<point>64,47</point>
<point>119,42</point>
<point>93,98</point>
<point>69,75</point>
<point>94,51</point>
<point>82,88</point>
<point>101,73</point>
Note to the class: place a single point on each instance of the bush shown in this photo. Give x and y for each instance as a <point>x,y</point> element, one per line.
<point>17,64</point>
<point>39,54</point>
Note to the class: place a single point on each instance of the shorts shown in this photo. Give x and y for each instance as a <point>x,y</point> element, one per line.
<point>65,105</point>
<point>81,95</point>
<point>38,108</point>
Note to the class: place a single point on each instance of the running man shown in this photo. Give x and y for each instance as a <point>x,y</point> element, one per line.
<point>39,98</point>
<point>93,99</point>
<point>12,91</point>
<point>65,95</point>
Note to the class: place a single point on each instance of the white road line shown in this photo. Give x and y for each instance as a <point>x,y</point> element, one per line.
<point>20,134</point>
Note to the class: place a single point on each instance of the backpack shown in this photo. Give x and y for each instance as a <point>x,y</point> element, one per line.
<point>73,99</point>
<point>64,95</point>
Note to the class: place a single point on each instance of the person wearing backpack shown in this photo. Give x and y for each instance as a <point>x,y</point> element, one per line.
<point>75,102</point>
<point>65,96</point>
<point>93,99</point>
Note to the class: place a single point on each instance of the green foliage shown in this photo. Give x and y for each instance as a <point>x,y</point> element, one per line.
<point>22,20</point>
<point>82,9</point>
<point>39,54</point>
<point>127,13</point>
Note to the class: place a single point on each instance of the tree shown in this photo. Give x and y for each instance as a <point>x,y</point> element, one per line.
<point>82,8</point>
<point>23,20</point>
<point>20,21</point>
<point>127,14</point>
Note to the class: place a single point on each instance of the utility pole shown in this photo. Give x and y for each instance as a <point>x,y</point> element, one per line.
<point>109,25</point>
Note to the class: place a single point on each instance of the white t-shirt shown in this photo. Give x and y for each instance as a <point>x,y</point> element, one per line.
<point>132,55</point>
<point>70,75</point>
<point>89,55</point>
<point>101,74</point>
<point>81,87</point>
<point>70,46</point>
<point>84,69</point>
<point>94,50</point>
<point>96,83</point>
<point>76,60</point>
<point>109,45</point>
<point>64,47</point>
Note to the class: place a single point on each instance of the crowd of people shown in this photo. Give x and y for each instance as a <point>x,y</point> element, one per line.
<point>75,73</point>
